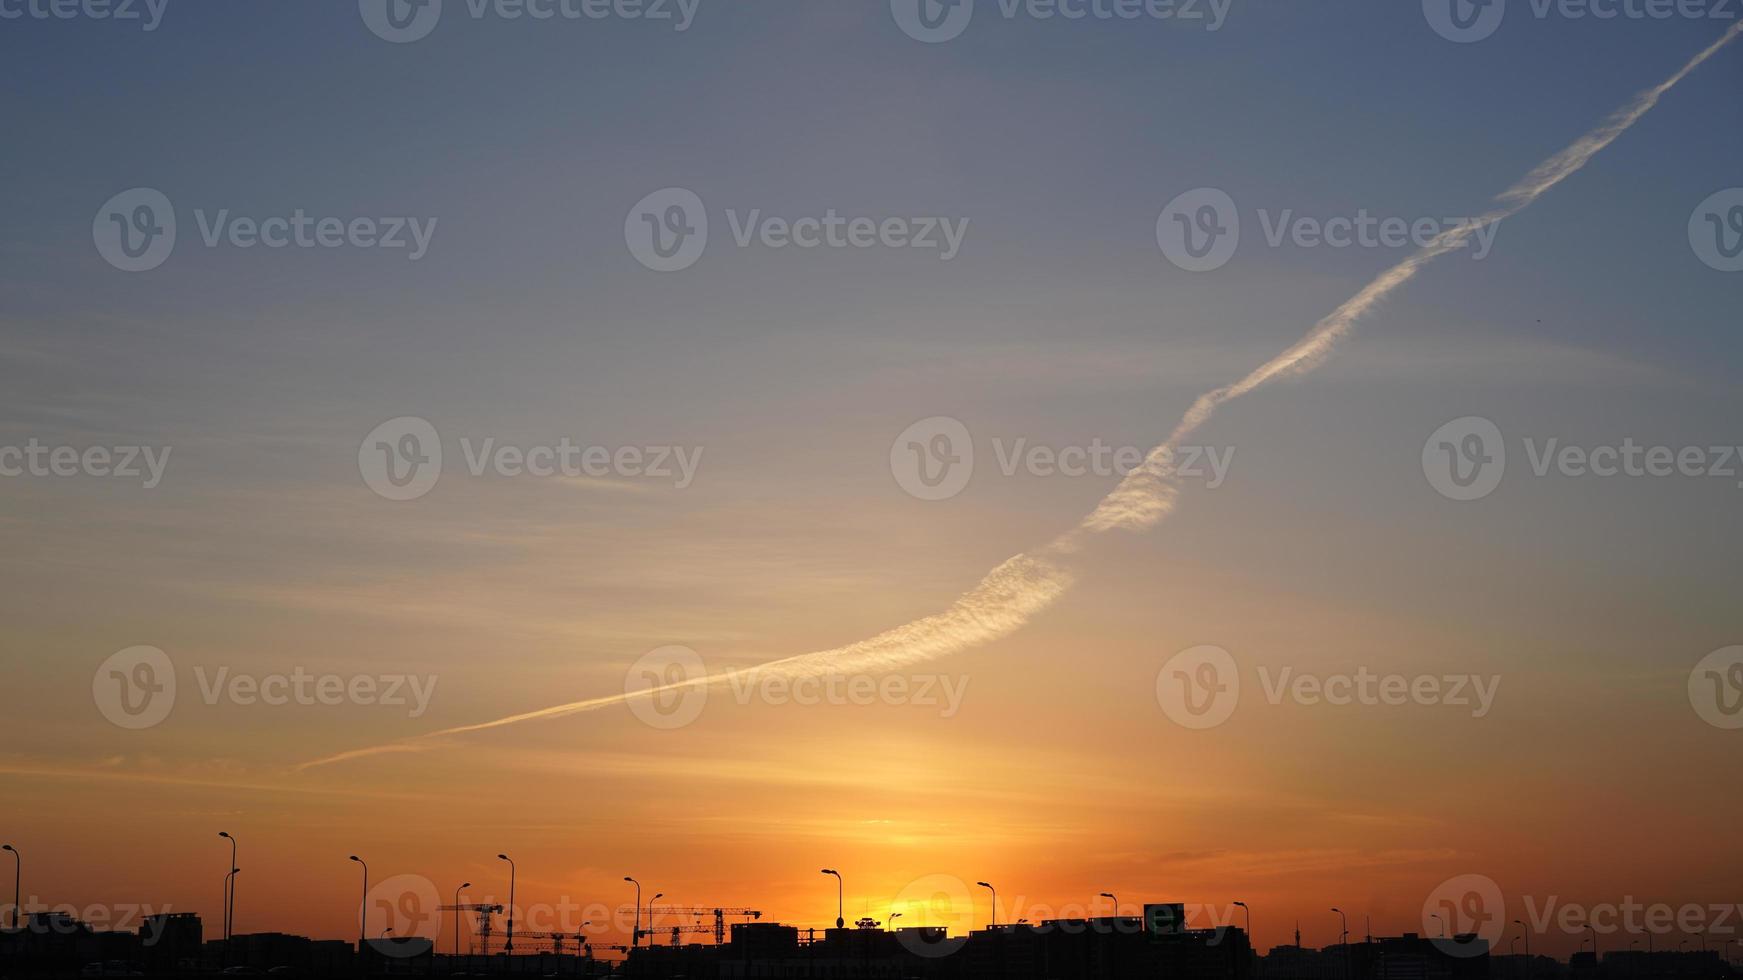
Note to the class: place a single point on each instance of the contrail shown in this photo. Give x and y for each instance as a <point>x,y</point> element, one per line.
<point>1022,586</point>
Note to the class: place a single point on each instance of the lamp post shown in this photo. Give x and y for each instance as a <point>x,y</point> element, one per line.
<point>1434,915</point>
<point>229,883</point>
<point>363,907</point>
<point>17,873</point>
<point>1249,912</point>
<point>635,934</point>
<point>229,888</point>
<point>1344,938</point>
<point>508,948</point>
<point>993,915</point>
<point>463,885</point>
<point>896,915</point>
<point>840,893</point>
<point>653,937</point>
<point>1110,896</point>
<point>1594,930</point>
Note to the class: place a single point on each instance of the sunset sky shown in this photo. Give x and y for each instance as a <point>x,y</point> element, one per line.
<point>1324,550</point>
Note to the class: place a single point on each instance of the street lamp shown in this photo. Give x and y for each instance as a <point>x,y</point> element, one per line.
<point>896,915</point>
<point>17,871</point>
<point>653,937</point>
<point>1344,938</point>
<point>1243,906</point>
<point>1110,896</point>
<point>363,909</point>
<point>229,885</point>
<point>1433,915</point>
<point>840,892</point>
<point>993,916</point>
<point>1527,934</point>
<point>635,934</point>
<point>463,885</point>
<point>229,888</point>
<point>1594,930</point>
<point>508,948</point>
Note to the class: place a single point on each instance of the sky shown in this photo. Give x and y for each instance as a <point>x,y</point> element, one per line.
<point>784,391</point>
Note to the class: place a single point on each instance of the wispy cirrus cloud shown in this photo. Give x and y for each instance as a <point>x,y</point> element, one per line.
<point>1022,586</point>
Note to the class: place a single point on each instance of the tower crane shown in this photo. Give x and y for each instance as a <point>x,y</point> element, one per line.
<point>483,912</point>
<point>720,913</point>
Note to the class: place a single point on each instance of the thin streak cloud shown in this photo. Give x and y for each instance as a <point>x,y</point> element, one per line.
<point>1019,588</point>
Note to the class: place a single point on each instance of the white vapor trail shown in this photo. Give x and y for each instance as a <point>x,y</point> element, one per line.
<point>1024,585</point>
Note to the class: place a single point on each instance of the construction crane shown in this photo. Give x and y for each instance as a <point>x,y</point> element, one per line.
<point>483,929</point>
<point>559,940</point>
<point>719,914</point>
